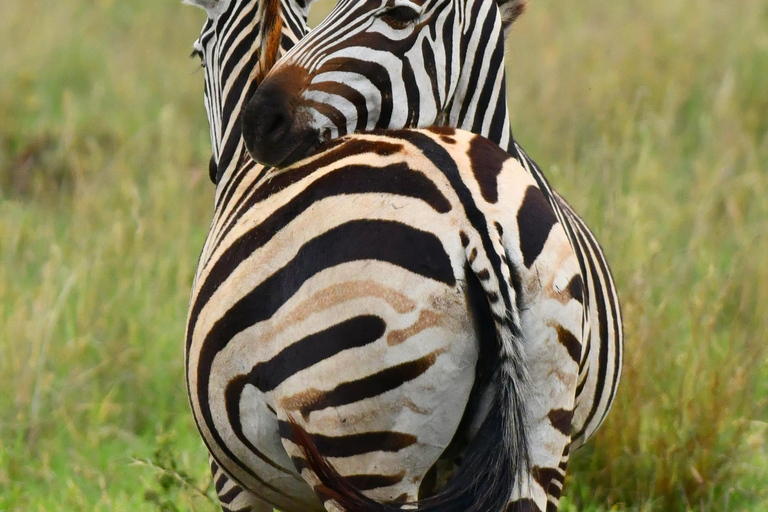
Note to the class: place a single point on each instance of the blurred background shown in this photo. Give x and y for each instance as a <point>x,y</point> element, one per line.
<point>650,117</point>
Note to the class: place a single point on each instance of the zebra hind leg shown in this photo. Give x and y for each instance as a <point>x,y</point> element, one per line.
<point>232,497</point>
<point>555,487</point>
<point>551,480</point>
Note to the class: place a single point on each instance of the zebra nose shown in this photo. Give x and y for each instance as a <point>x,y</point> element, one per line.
<point>267,121</point>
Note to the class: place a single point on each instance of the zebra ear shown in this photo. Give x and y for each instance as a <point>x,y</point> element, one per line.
<point>205,4</point>
<point>510,11</point>
<point>214,8</point>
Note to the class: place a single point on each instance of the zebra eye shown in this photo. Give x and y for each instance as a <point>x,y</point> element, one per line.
<point>399,17</point>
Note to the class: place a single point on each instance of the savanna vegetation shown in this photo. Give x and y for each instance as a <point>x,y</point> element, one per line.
<point>650,117</point>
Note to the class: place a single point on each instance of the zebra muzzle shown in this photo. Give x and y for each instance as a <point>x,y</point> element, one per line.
<point>273,132</point>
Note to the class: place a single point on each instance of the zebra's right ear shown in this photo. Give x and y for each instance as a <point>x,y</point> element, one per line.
<point>510,11</point>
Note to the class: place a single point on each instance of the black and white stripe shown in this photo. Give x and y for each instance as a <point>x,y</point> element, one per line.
<point>233,48</point>
<point>387,64</point>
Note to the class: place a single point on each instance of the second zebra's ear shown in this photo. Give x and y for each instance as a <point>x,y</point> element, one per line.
<point>510,11</point>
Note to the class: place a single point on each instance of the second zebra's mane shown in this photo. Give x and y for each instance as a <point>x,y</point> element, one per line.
<point>272,26</point>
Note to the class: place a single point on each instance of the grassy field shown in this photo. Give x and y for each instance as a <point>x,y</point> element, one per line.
<point>650,117</point>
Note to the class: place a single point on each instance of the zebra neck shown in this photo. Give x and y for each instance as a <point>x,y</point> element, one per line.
<point>228,169</point>
<point>510,146</point>
<point>483,110</point>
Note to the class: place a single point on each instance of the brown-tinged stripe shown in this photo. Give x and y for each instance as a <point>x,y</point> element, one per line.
<point>405,248</point>
<point>427,319</point>
<point>487,161</point>
<point>360,389</point>
<point>570,342</point>
<point>353,444</point>
<point>535,219</point>
<point>396,179</point>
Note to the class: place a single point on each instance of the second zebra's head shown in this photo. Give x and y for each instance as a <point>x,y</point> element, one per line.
<point>239,43</point>
<point>375,64</point>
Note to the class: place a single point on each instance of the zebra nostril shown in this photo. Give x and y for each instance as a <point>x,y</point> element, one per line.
<point>277,127</point>
<point>265,121</point>
<point>268,126</point>
<point>274,122</point>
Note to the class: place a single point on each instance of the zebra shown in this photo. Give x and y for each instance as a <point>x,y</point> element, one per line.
<point>236,484</point>
<point>415,63</point>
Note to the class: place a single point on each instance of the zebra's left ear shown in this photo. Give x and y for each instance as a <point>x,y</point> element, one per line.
<point>510,11</point>
<point>214,8</point>
<point>205,4</point>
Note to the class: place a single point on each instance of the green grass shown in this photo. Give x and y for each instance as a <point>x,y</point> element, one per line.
<point>650,117</point>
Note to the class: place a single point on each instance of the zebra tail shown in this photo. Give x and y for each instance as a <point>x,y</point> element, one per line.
<point>494,460</point>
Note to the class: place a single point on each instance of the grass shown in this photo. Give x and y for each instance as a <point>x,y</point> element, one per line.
<point>650,117</point>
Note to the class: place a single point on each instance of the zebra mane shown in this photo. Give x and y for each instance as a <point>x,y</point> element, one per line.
<point>272,26</point>
<point>510,11</point>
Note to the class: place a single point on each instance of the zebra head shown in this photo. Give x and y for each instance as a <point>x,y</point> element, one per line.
<point>375,64</point>
<point>240,41</point>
